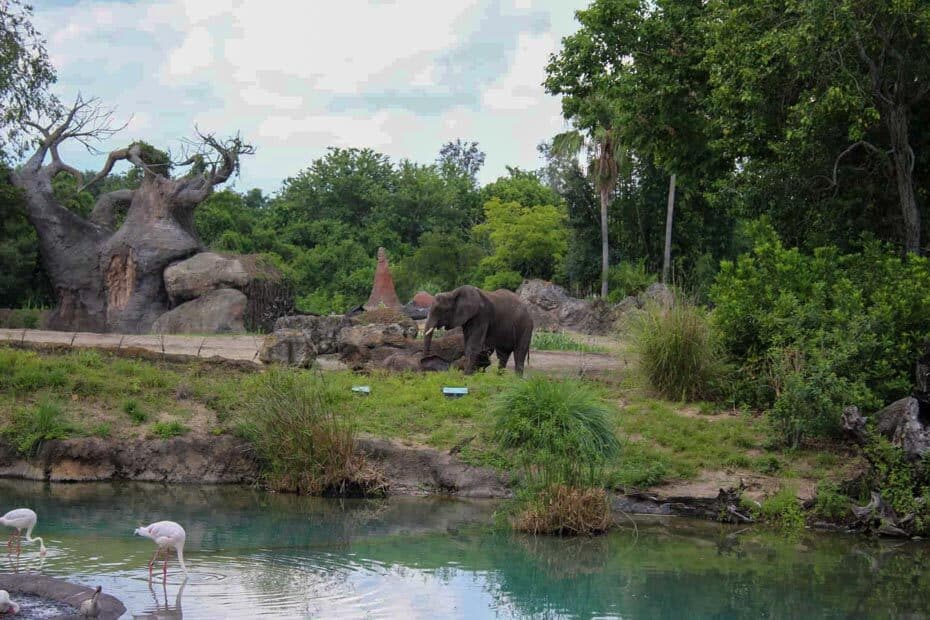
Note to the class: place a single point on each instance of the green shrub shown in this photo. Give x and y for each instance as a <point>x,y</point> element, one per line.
<point>563,510</point>
<point>560,341</point>
<point>30,427</point>
<point>101,430</point>
<point>167,430</point>
<point>679,351</point>
<point>510,280</point>
<point>628,278</point>
<point>830,502</point>
<point>561,428</point>
<point>297,424</point>
<point>134,410</point>
<point>783,510</point>
<point>816,332</point>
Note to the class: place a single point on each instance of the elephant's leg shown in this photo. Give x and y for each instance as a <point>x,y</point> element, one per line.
<point>474,346</point>
<point>502,358</point>
<point>522,352</point>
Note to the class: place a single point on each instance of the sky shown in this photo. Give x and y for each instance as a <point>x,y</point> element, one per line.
<point>294,77</point>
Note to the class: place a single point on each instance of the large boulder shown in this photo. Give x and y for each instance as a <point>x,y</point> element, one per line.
<point>320,332</point>
<point>370,344</point>
<point>217,312</point>
<point>289,347</point>
<point>203,273</point>
<point>553,308</point>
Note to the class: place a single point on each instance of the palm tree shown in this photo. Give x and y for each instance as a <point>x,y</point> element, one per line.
<point>607,159</point>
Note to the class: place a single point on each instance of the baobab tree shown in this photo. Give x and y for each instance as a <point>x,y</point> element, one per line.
<point>106,275</point>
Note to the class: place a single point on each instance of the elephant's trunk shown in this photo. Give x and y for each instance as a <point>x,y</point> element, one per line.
<point>428,334</point>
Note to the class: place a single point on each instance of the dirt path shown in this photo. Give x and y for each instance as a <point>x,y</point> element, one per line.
<point>246,348</point>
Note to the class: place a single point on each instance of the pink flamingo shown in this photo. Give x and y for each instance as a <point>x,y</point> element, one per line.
<point>165,534</point>
<point>21,519</point>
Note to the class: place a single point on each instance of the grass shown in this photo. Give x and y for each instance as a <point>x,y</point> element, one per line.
<point>561,341</point>
<point>33,425</point>
<point>679,351</point>
<point>132,408</point>
<point>167,430</point>
<point>563,510</point>
<point>657,442</point>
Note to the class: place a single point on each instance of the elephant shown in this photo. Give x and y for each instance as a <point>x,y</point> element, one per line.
<point>495,320</point>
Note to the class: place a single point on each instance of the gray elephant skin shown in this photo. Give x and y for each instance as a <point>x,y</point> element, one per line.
<point>489,320</point>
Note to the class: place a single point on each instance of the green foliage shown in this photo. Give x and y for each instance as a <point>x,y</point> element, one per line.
<point>561,427</point>
<point>300,431</point>
<point>818,332</point>
<point>830,503</point>
<point>628,278</point>
<point>679,350</point>
<point>134,410</point>
<point>167,430</point>
<point>560,341</point>
<point>31,426</point>
<point>527,240</point>
<point>28,318</point>
<point>783,510</point>
<point>903,484</point>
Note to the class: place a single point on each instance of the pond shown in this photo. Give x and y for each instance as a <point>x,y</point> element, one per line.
<point>254,554</point>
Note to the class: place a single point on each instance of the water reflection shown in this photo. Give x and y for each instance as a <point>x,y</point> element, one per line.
<point>253,554</point>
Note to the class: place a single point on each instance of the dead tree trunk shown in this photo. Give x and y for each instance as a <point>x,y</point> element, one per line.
<point>109,278</point>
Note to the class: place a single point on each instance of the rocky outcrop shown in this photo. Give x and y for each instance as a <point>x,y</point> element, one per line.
<point>222,459</point>
<point>418,470</point>
<point>907,426</point>
<point>320,331</point>
<point>202,273</point>
<point>218,312</point>
<point>361,346</point>
<point>67,594</point>
<point>418,307</point>
<point>289,347</point>
<point>552,308</point>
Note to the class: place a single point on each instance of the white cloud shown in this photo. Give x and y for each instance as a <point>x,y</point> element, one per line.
<point>295,78</point>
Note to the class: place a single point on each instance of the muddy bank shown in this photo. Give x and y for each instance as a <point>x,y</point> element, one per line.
<point>410,470</point>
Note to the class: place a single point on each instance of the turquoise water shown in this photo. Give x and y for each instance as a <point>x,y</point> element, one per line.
<point>254,554</point>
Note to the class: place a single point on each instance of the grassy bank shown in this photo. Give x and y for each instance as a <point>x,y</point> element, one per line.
<point>87,393</point>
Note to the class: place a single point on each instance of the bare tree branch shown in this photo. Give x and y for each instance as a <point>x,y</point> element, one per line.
<point>861,143</point>
<point>108,205</point>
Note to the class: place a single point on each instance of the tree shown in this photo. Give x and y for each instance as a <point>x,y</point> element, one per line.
<point>108,277</point>
<point>461,157</point>
<point>591,74</point>
<point>857,69</point>
<point>25,73</point>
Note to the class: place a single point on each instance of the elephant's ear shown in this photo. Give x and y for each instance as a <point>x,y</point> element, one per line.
<point>468,302</point>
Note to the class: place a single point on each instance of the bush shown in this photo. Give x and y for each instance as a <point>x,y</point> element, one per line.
<point>628,278</point>
<point>561,428</point>
<point>30,427</point>
<point>565,511</point>
<point>814,333</point>
<point>134,410</point>
<point>830,502</point>
<point>510,280</point>
<point>167,430</point>
<point>782,510</point>
<point>679,350</point>
<point>298,428</point>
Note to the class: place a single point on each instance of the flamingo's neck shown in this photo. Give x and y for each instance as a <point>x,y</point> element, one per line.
<point>181,558</point>
<point>30,539</point>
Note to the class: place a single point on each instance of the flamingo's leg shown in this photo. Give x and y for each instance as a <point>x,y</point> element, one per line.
<point>165,573</point>
<point>152,563</point>
<point>19,543</point>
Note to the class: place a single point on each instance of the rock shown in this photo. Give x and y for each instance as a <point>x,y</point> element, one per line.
<point>903,423</point>
<point>853,423</point>
<point>415,312</point>
<point>218,312</point>
<point>201,274</point>
<point>382,290</point>
<point>289,347</point>
<point>422,299</point>
<point>553,309</point>
<point>402,362</point>
<point>658,293</point>
<point>322,332</point>
<point>363,345</point>
<point>69,595</point>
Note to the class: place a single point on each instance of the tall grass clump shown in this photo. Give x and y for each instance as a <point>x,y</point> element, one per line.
<point>560,341</point>
<point>679,350</point>
<point>31,426</point>
<point>562,433</point>
<point>296,423</point>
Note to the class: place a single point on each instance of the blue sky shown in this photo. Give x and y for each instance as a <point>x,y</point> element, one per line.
<point>399,76</point>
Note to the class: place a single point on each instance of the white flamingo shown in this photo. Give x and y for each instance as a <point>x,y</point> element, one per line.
<point>21,519</point>
<point>6,605</point>
<point>165,534</point>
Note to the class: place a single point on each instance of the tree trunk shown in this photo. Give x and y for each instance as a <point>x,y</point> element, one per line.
<point>669,214</point>
<point>605,257</point>
<point>895,116</point>
<point>104,278</point>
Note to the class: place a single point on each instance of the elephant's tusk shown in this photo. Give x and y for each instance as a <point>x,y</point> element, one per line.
<point>429,331</point>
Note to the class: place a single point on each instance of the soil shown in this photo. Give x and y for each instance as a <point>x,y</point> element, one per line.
<point>245,348</point>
